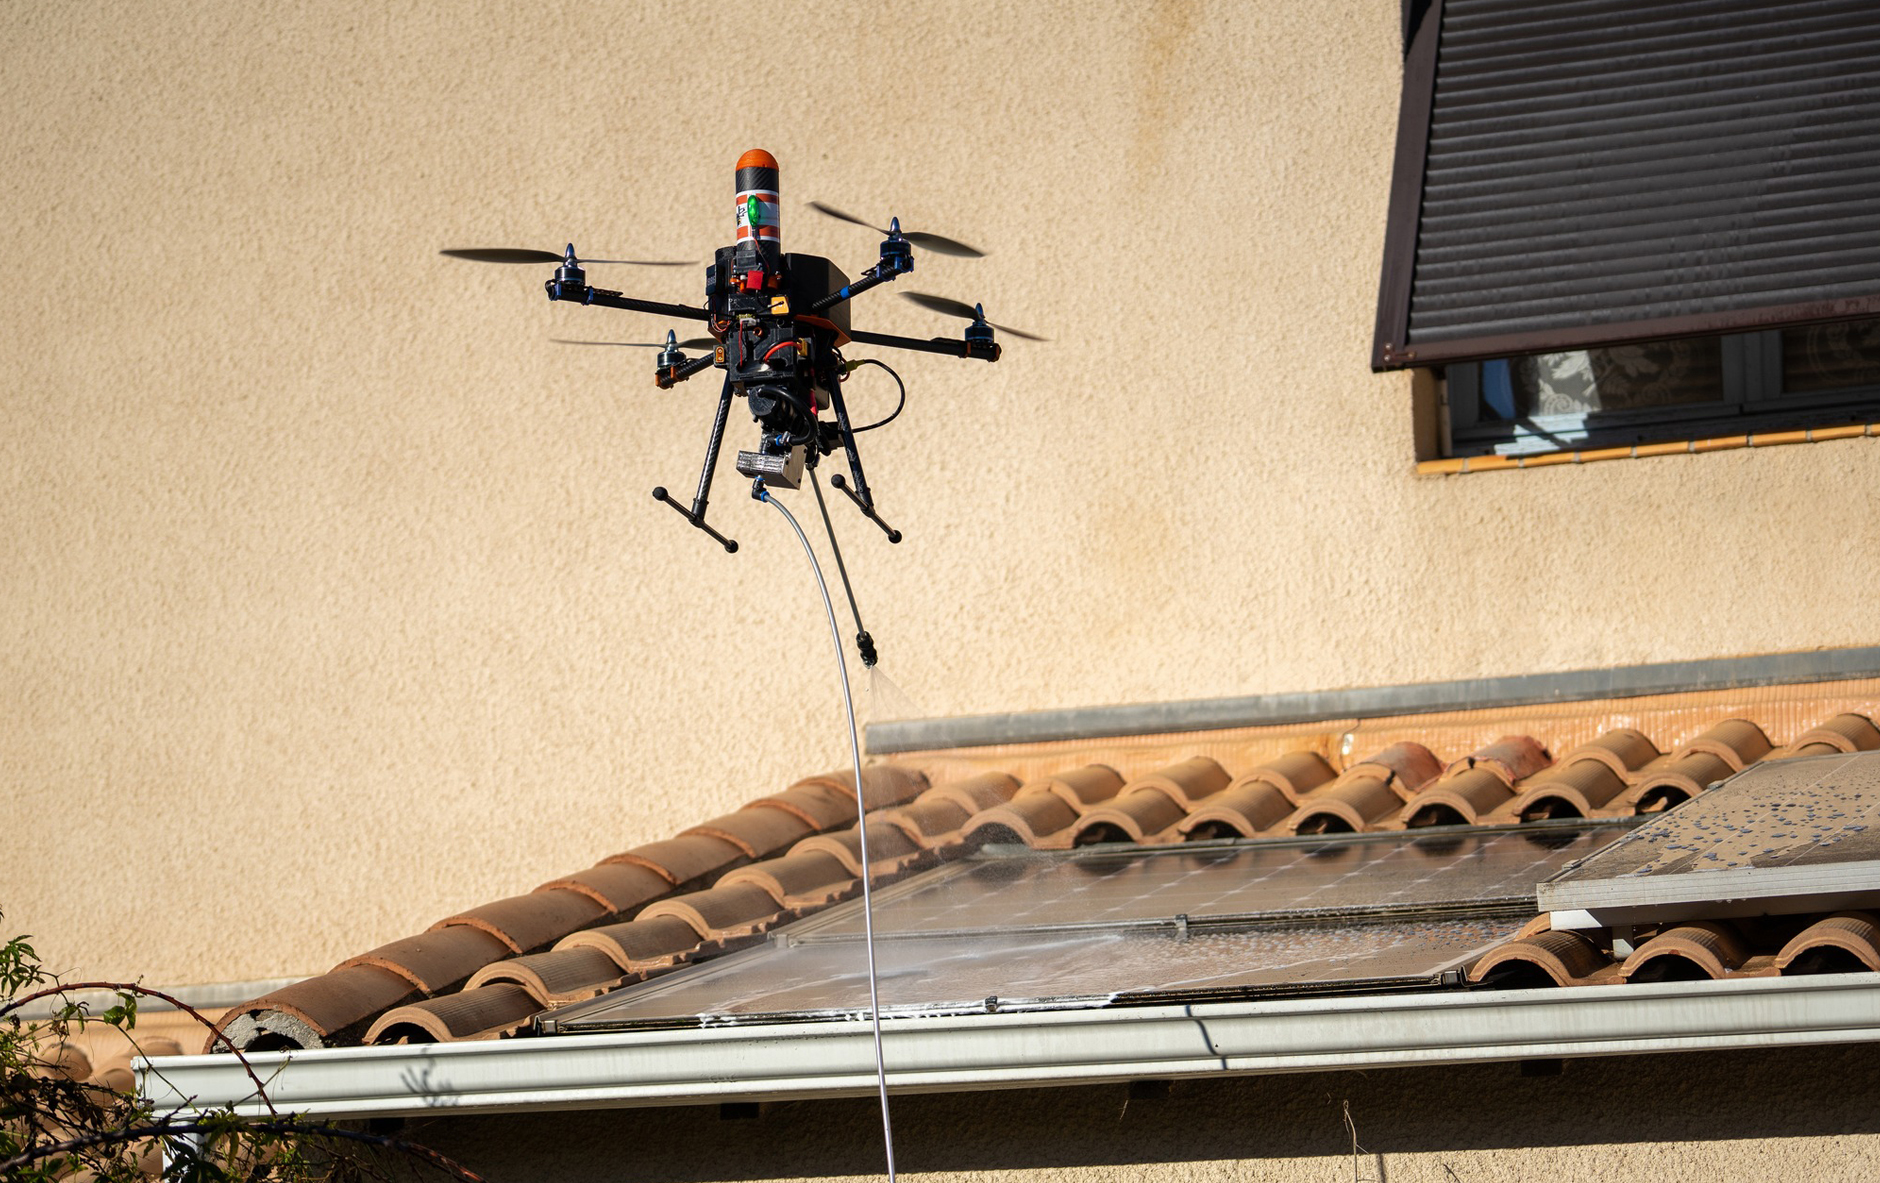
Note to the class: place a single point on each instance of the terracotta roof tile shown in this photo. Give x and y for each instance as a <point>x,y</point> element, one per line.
<point>1581,787</point>
<point>890,850</point>
<point>973,793</point>
<point>1679,779</point>
<point>1512,758</point>
<point>483,1013</point>
<point>721,913</point>
<point>882,784</point>
<point>686,860</point>
<point>563,975</point>
<point>331,1009</point>
<point>61,1061</point>
<point>1031,818</point>
<point>1187,784</point>
<point>759,831</point>
<point>1685,953</point>
<point>1737,742</point>
<point>1405,767</point>
<point>1080,788</point>
<point>1625,750</point>
<point>1294,774</point>
<point>639,946</point>
<point>436,961</point>
<point>1241,810</point>
<point>1842,942</point>
<point>1460,800</point>
<point>1546,958</point>
<point>819,807</point>
<point>1354,802</point>
<point>617,887</point>
<point>802,880</point>
<point>1843,733</point>
<point>930,822</point>
<point>529,922</point>
<point>1141,815</point>
<point>115,1074</point>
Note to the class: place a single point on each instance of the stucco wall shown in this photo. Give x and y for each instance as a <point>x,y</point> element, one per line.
<point>1694,1118</point>
<point>334,600</point>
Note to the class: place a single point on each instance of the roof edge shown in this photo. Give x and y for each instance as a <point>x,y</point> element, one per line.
<point>975,1052</point>
<point>1219,714</point>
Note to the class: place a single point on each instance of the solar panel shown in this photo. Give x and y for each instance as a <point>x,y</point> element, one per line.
<point>1784,836</point>
<point>1014,929</point>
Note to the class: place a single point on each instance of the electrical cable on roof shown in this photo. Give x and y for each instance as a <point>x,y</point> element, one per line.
<point>861,819</point>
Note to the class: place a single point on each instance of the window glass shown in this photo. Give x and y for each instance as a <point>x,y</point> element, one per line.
<point>1831,357</point>
<point>1623,378</point>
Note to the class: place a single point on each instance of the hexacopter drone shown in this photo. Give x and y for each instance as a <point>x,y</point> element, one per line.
<point>777,323</point>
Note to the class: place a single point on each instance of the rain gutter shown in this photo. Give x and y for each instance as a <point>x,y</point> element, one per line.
<point>1028,1050</point>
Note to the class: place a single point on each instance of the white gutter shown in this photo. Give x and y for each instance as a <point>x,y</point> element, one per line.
<point>1016,1050</point>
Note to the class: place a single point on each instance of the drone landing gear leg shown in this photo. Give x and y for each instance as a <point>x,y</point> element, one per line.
<point>864,502</point>
<point>696,515</point>
<point>864,644</point>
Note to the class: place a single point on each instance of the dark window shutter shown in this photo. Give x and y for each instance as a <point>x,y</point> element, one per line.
<point>1593,172</point>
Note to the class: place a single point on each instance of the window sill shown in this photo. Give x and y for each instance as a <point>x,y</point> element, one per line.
<point>1768,439</point>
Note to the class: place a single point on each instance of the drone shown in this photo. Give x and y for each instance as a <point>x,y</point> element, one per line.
<point>778,322</point>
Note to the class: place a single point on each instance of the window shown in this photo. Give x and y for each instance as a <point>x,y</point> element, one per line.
<point>1625,221</point>
<point>1695,387</point>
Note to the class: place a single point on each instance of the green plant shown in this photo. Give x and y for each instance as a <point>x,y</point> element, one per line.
<point>54,1127</point>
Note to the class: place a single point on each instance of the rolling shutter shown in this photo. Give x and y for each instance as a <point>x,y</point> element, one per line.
<point>1592,172</point>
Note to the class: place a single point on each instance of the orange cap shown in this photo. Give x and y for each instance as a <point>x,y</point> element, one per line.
<point>757,158</point>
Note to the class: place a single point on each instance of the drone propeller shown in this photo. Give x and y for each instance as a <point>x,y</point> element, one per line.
<point>964,311</point>
<point>504,254</point>
<point>931,242</point>
<point>694,343</point>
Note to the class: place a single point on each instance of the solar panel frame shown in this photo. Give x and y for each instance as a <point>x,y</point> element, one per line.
<point>1416,941</point>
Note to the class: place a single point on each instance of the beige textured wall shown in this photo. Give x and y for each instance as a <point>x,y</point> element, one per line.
<point>333,599</point>
<point>1807,1113</point>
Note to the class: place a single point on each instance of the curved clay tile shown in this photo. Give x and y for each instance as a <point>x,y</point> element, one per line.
<point>757,830</point>
<point>931,823</point>
<point>1581,786</point>
<point>1406,767</point>
<point>799,881</point>
<point>1680,779</point>
<point>642,945</point>
<point>1036,819</point>
<point>483,1013</point>
<point>882,784</point>
<point>819,807</point>
<point>988,790</point>
<point>1240,810</point>
<point>1136,816</point>
<point>1549,958</point>
<point>1354,802</point>
<point>564,975</point>
<point>1737,742</point>
<point>1512,758</point>
<point>62,1061</point>
<point>1843,733</point>
<point>1294,774</point>
<point>114,1074</point>
<point>689,859</point>
<point>1625,750</point>
<point>721,913</point>
<point>617,887</point>
<point>1847,941</point>
<point>1459,800</point>
<point>1187,784</point>
<point>1080,788</point>
<point>529,922</point>
<point>436,961</point>
<point>1685,953</point>
<point>318,1012</point>
<point>890,850</point>
<point>158,1045</point>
